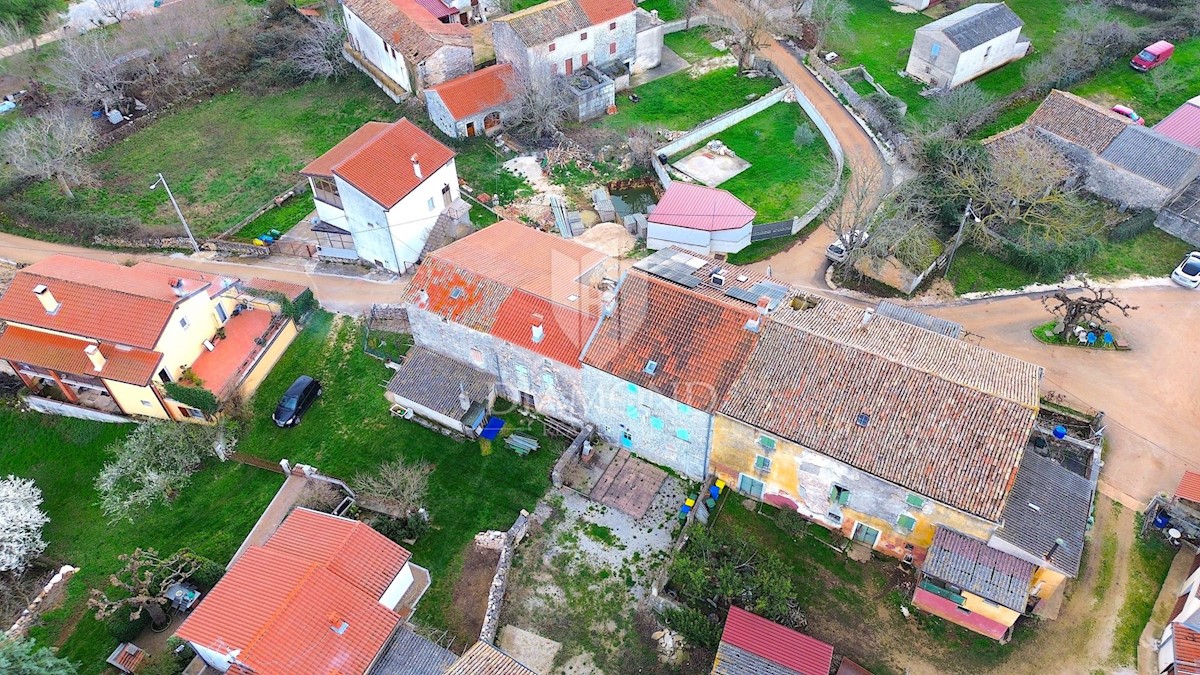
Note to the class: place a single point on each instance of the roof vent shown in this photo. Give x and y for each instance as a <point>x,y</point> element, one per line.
<point>651,366</point>
<point>572,298</point>
<point>754,324</point>
<point>764,304</point>
<point>743,278</point>
<point>863,420</point>
<point>866,317</point>
<point>456,292</point>
<point>538,333</point>
<point>176,284</point>
<point>337,624</point>
<point>47,299</point>
<point>423,299</point>
<point>718,277</point>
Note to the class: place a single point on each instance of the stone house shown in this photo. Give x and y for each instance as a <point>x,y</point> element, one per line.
<point>471,105</point>
<point>960,47</point>
<point>517,304</point>
<point>383,194</point>
<point>103,341</point>
<point>403,47</point>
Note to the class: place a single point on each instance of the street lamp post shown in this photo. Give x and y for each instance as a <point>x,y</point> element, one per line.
<point>195,246</point>
<point>969,211</point>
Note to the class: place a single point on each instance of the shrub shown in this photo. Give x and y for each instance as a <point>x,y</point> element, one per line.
<point>1053,261</point>
<point>694,627</point>
<point>196,397</point>
<point>804,136</point>
<point>320,496</point>
<point>208,574</point>
<point>123,629</point>
<point>401,529</point>
<point>791,523</point>
<point>169,662</point>
<point>81,227</point>
<point>1140,223</point>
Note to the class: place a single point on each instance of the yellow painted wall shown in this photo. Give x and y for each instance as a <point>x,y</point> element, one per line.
<point>997,613</point>
<point>1050,579</point>
<point>182,346</point>
<point>268,359</point>
<point>130,397</point>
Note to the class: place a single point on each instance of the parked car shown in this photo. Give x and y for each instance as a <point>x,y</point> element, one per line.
<point>1153,56</point>
<point>1126,111</point>
<point>296,401</point>
<point>1188,272</point>
<point>839,251</point>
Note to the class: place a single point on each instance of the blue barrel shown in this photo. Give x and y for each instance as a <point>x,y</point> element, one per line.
<point>1060,432</point>
<point>1162,520</point>
<point>714,491</point>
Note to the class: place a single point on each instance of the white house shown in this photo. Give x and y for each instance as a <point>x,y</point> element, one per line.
<point>404,47</point>
<point>701,219</point>
<point>381,192</point>
<point>960,47</point>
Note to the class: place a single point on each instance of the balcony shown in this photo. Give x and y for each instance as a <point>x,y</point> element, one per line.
<point>247,335</point>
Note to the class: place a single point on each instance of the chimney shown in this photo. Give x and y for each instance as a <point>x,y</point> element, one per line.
<point>764,303</point>
<point>538,332</point>
<point>866,318</point>
<point>94,355</point>
<point>417,166</point>
<point>423,299</point>
<point>337,624</point>
<point>1057,544</point>
<point>176,285</point>
<point>47,299</point>
<point>464,401</point>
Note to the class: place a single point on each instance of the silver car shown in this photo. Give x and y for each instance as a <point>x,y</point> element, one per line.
<point>1188,272</point>
<point>839,251</point>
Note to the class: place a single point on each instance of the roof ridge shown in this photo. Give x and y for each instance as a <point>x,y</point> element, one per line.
<point>387,126</point>
<point>287,601</point>
<point>109,289</point>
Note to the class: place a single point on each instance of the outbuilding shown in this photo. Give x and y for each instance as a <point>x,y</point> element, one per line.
<point>960,47</point>
<point>700,219</point>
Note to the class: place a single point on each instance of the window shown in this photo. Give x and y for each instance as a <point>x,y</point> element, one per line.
<point>863,420</point>
<point>221,313</point>
<point>184,322</point>
<point>934,50</point>
<point>583,36</point>
<point>612,26</point>
<point>191,412</point>
<point>632,411</point>
<point>840,495</point>
<point>583,59</point>
<point>626,438</point>
<point>865,534</point>
<point>612,48</point>
<point>147,404</point>
<point>683,435</point>
<point>430,203</point>
<point>164,375</point>
<point>656,423</point>
<point>762,464</point>
<point>914,501</point>
<point>750,486</point>
<point>476,356</point>
<point>548,380</point>
<point>684,409</point>
<point>651,366</point>
<point>766,443</point>
<point>905,524</point>
<point>456,292</point>
<point>551,47</point>
<point>526,400</point>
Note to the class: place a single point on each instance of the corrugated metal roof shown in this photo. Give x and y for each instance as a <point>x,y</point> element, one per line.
<point>485,659</point>
<point>432,380</point>
<point>1064,503</point>
<point>1182,125</point>
<point>1154,157</point>
<point>1189,487</point>
<point>918,319</point>
<point>66,355</point>
<point>698,207</point>
<point>976,25</point>
<point>771,642</point>
<point>968,563</point>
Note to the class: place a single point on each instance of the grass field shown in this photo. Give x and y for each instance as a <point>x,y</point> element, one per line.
<point>668,10</point>
<point>348,431</point>
<point>1148,569</point>
<point>680,102</point>
<point>1121,84</point>
<point>693,44</point>
<point>783,179</point>
<point>283,218</point>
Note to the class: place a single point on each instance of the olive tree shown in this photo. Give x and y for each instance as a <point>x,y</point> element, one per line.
<point>21,522</point>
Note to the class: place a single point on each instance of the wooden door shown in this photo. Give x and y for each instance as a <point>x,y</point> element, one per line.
<point>470,129</point>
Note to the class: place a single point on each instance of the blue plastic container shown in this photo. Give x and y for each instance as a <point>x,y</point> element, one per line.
<point>1162,520</point>
<point>1060,432</point>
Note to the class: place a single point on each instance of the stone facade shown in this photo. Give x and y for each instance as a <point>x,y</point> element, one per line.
<point>447,63</point>
<point>612,43</point>
<point>1108,181</point>
<point>440,114</point>
<point>557,388</point>
<point>650,425</point>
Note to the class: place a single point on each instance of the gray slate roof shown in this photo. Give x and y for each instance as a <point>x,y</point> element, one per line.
<point>733,660</point>
<point>968,28</point>
<point>411,654</point>
<point>918,319</point>
<point>1064,503</point>
<point>968,563</point>
<point>1153,156</point>
<point>433,380</point>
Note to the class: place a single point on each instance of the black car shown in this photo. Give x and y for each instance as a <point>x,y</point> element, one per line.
<point>296,401</point>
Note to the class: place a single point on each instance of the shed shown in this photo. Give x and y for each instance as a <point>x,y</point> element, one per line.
<point>439,389</point>
<point>960,47</point>
<point>1183,124</point>
<point>701,219</point>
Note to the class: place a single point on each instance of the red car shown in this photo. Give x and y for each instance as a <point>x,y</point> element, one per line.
<point>1125,111</point>
<point>1153,56</point>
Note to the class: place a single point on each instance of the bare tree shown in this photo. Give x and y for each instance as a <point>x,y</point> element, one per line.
<point>541,102</point>
<point>686,9</point>
<point>1166,80</point>
<point>114,9</point>
<point>398,484</point>
<point>318,53</point>
<point>860,196</point>
<point>903,228</point>
<point>89,72</point>
<point>142,584</point>
<point>641,145</point>
<point>53,145</point>
<point>828,19</point>
<point>1079,310</point>
<point>21,521</point>
<point>749,32</point>
<point>951,109</point>
<point>1092,38</point>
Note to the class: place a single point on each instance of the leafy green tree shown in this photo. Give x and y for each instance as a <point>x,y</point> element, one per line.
<point>29,16</point>
<point>24,657</point>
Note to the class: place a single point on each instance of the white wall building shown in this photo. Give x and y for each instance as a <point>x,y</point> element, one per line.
<point>960,47</point>
<point>700,219</point>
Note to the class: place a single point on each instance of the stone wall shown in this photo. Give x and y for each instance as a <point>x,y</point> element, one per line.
<point>236,248</point>
<point>506,542</point>
<point>447,63</point>
<point>510,49</point>
<point>50,597</point>
<point>52,407</point>
<point>571,456</point>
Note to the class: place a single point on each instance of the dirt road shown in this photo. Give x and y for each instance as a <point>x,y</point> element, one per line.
<point>341,294</point>
<point>1147,393</point>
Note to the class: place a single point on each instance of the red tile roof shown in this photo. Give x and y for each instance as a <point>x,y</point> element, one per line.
<point>99,300</point>
<point>1189,487</point>
<point>776,644</point>
<point>1187,650</point>
<point>481,90</point>
<point>1183,125</point>
<point>323,165</point>
<point>220,370</point>
<point>437,8</point>
<point>698,207</point>
<point>383,170</point>
<point>279,605</point>
<point>699,344</point>
<point>601,11</point>
<point>463,297</point>
<point>523,257</point>
<point>66,355</point>
<point>564,330</point>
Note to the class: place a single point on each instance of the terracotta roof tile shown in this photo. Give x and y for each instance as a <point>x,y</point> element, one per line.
<point>323,165</point>
<point>306,602</point>
<point>1189,487</point>
<point>217,283</point>
<point>774,644</point>
<point>472,94</point>
<point>410,28</point>
<point>458,295</point>
<point>104,301</point>
<point>383,170</point>
<point>484,659</point>
<point>699,207</point>
<point>564,330</point>
<point>600,11</point>
<point>699,344</point>
<point>546,21</point>
<point>66,355</point>
<point>1077,120</point>
<point>1187,650</point>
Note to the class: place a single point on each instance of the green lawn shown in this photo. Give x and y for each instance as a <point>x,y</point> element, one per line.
<point>63,456</point>
<point>1121,84</point>
<point>680,102</point>
<point>973,271</point>
<point>283,218</point>
<point>668,10</point>
<point>782,180</point>
<point>1148,569</point>
<point>223,157</point>
<point>693,44</point>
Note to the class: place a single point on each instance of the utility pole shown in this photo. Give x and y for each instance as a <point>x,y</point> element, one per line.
<point>188,230</point>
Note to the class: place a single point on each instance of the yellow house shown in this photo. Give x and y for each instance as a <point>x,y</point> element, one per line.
<point>891,433</point>
<point>101,341</point>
